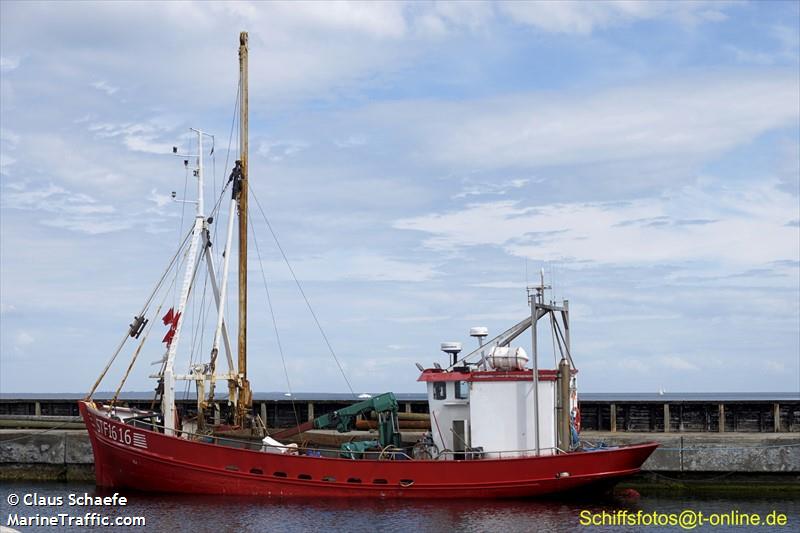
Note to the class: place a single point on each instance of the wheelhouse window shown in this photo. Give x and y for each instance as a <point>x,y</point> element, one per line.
<point>462,390</point>
<point>439,390</point>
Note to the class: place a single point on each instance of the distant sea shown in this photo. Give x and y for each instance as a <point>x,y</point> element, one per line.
<point>421,396</point>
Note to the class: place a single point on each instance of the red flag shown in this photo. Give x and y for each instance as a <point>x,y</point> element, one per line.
<point>170,318</point>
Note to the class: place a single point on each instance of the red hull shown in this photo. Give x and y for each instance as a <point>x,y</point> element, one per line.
<point>127,457</point>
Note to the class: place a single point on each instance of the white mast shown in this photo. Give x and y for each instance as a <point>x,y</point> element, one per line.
<point>226,261</point>
<point>168,396</point>
<point>534,360</point>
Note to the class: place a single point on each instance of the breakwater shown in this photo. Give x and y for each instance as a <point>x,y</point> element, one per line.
<point>612,412</point>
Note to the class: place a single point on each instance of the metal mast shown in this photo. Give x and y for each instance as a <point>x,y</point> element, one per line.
<point>534,300</point>
<point>245,396</point>
<point>536,297</point>
<point>168,396</point>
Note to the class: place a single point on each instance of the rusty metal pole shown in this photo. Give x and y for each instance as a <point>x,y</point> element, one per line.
<point>613,418</point>
<point>776,413</point>
<point>245,397</point>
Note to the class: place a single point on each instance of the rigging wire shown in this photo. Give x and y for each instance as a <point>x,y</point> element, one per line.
<point>274,323</point>
<point>139,348</point>
<point>141,313</point>
<point>188,298</point>
<point>302,292</point>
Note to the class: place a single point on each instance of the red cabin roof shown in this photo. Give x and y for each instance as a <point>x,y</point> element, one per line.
<point>435,374</point>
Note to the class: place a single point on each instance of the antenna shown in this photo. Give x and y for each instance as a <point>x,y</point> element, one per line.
<point>453,349</point>
<point>480,333</point>
<point>539,289</point>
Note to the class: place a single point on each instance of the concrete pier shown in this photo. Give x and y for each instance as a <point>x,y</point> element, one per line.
<point>701,452</point>
<point>61,454</point>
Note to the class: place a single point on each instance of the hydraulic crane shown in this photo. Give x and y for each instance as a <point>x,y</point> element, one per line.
<point>344,420</point>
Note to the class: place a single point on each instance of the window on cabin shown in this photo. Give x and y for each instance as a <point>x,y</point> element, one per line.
<point>439,390</point>
<point>462,390</point>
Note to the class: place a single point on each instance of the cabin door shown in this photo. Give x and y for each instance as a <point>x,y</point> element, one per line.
<point>459,438</point>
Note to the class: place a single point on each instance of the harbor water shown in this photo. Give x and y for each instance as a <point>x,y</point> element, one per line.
<point>630,511</point>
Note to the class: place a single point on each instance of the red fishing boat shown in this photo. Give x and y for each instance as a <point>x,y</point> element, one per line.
<point>500,427</point>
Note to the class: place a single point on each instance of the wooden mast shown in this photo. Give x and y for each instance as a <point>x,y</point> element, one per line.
<point>245,396</point>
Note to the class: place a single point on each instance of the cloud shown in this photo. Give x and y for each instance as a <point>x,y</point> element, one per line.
<point>105,87</point>
<point>8,142</point>
<point>9,138</point>
<point>73,211</point>
<point>90,226</point>
<point>51,199</point>
<point>578,17</point>
<point>787,50</point>
<point>139,136</point>
<point>691,118</point>
<point>22,340</point>
<point>700,223</point>
<point>775,366</point>
<point>279,150</point>
<point>7,64</point>
<point>160,200</point>
<point>352,265</point>
<point>381,19</point>
<point>370,113</point>
<point>630,363</point>
<point>6,161</point>
<point>499,285</point>
<point>351,142</point>
<point>299,50</point>
<point>417,319</point>
<point>676,363</point>
<point>498,189</point>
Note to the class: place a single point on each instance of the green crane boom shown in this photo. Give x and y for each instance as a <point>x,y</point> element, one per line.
<point>344,419</point>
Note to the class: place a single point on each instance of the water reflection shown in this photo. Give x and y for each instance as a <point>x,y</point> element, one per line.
<point>215,514</point>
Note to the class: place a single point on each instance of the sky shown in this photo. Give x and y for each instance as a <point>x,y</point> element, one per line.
<point>420,164</point>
